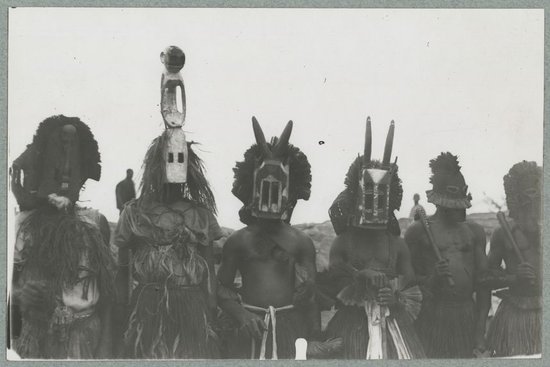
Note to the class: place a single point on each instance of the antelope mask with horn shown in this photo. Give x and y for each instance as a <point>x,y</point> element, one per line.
<point>372,206</point>
<point>271,175</point>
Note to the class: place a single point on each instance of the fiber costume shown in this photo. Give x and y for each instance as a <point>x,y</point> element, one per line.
<point>165,242</point>
<point>450,324</point>
<point>368,246</point>
<point>516,326</point>
<point>276,261</point>
<point>63,279</point>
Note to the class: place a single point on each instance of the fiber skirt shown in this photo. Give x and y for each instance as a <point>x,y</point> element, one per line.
<point>515,330</point>
<point>446,328</point>
<point>170,323</point>
<point>80,342</point>
<point>351,324</point>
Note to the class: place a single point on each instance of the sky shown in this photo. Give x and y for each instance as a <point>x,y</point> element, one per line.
<point>465,81</point>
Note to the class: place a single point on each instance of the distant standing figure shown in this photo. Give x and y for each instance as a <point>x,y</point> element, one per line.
<point>414,211</point>
<point>125,190</point>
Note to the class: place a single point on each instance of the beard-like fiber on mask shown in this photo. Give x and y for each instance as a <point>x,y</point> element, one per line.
<point>197,188</point>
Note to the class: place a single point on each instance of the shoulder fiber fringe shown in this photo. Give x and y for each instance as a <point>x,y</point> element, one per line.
<point>447,202</point>
<point>57,242</point>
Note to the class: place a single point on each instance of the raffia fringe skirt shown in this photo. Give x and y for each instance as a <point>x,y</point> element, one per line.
<point>516,328</point>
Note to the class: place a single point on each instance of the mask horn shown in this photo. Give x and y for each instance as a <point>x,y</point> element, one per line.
<point>260,138</point>
<point>389,145</point>
<point>368,143</point>
<point>282,144</point>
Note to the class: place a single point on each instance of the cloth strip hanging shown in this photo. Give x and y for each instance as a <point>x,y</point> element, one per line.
<point>379,325</point>
<point>269,318</point>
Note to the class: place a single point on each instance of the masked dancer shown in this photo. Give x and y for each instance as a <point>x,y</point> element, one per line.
<point>275,304</point>
<point>448,254</point>
<point>516,326</point>
<point>63,283</point>
<point>370,263</point>
<point>165,239</point>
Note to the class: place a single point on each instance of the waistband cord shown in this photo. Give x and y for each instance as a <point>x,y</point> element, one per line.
<point>269,318</point>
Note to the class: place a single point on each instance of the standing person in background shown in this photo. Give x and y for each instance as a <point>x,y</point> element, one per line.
<point>414,211</point>
<point>451,323</point>
<point>63,279</point>
<point>517,325</point>
<point>125,190</point>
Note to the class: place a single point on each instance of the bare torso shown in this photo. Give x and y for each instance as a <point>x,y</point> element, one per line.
<point>456,243</point>
<point>529,246</point>
<point>266,259</point>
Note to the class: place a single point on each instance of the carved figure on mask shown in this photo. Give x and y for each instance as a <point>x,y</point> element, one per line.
<point>164,240</point>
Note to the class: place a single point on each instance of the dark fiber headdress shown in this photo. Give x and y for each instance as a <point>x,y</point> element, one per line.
<point>196,188</point>
<point>33,160</point>
<point>299,182</point>
<point>449,187</point>
<point>522,185</point>
<point>89,153</point>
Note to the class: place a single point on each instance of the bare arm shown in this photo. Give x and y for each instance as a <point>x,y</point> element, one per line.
<point>307,261</point>
<point>413,240</point>
<point>496,277</point>
<point>228,299</point>
<point>404,265</point>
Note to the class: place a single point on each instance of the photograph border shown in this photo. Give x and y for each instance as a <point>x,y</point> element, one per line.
<point>365,4</point>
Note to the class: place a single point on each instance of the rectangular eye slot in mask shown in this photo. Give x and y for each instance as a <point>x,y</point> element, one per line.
<point>175,152</point>
<point>382,201</point>
<point>270,189</point>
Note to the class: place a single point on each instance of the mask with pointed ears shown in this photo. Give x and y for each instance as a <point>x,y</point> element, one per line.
<point>271,175</point>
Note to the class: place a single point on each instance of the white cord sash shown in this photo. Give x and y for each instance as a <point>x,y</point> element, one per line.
<point>269,318</point>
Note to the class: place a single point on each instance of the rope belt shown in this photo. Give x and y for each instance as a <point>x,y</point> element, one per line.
<point>269,318</point>
<point>62,319</point>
